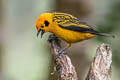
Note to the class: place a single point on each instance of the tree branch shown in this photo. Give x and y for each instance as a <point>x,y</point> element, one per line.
<point>100,68</point>
<point>65,68</point>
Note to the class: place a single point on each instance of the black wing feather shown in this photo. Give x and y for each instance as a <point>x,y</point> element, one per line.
<point>79,29</point>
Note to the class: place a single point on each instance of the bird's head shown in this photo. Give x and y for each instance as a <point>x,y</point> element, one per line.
<point>43,23</point>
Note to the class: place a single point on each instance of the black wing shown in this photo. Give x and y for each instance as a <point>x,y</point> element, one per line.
<point>79,29</point>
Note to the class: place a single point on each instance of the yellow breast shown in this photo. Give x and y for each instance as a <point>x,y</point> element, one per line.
<point>71,36</point>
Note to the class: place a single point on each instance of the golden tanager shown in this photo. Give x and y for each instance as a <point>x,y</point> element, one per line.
<point>66,27</point>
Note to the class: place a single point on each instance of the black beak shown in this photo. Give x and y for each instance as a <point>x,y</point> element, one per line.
<point>42,32</point>
<point>38,32</point>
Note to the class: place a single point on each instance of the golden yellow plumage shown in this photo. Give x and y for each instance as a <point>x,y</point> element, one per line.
<point>66,27</point>
<point>70,36</point>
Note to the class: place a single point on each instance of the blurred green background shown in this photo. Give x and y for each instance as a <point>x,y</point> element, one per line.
<point>23,56</point>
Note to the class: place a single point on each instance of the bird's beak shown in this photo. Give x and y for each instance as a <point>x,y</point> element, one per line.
<point>38,32</point>
<point>42,32</point>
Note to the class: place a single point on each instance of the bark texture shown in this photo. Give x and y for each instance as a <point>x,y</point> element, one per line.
<point>100,68</point>
<point>65,68</point>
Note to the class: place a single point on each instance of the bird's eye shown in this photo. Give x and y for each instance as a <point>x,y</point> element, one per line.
<point>42,26</point>
<point>46,23</point>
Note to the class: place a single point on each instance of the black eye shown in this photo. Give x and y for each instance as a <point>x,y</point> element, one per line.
<point>46,23</point>
<point>42,26</point>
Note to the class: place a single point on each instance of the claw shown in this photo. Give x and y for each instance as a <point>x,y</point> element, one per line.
<point>52,37</point>
<point>60,52</point>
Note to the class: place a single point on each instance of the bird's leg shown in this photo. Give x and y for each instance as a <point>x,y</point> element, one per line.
<point>53,37</point>
<point>62,50</point>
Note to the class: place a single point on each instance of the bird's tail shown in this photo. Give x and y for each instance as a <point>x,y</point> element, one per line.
<point>104,34</point>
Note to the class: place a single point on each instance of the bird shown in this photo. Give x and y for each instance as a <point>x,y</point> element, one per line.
<point>66,27</point>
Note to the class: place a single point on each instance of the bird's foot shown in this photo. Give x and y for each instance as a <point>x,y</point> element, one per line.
<point>60,52</point>
<point>53,37</point>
